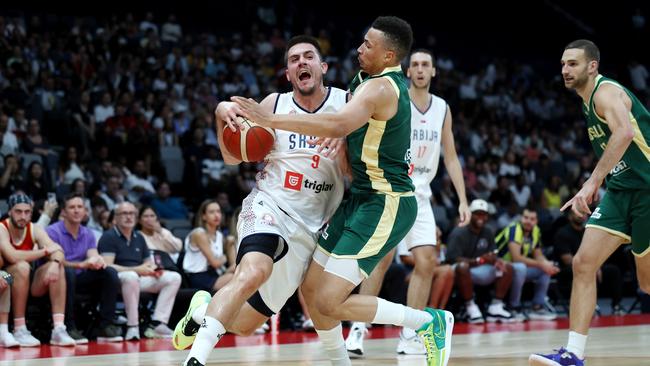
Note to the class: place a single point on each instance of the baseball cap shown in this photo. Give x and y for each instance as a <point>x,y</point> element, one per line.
<point>17,198</point>
<point>478,205</point>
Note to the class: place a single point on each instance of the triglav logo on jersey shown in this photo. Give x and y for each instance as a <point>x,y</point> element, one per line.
<point>293,181</point>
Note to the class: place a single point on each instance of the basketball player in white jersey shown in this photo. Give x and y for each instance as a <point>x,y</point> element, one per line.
<point>298,190</point>
<point>430,128</point>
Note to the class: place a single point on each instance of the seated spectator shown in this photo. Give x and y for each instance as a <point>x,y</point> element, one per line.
<point>138,183</point>
<point>156,236</point>
<point>85,269</point>
<point>443,274</point>
<point>472,249</point>
<point>19,240</point>
<point>69,168</point>
<point>7,339</point>
<point>521,244</point>
<point>124,249</point>
<point>166,206</point>
<point>98,206</point>
<point>567,242</point>
<point>10,180</point>
<point>207,262</point>
<point>114,193</point>
<point>36,185</point>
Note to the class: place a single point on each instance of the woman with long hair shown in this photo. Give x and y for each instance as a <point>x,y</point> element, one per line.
<point>209,260</point>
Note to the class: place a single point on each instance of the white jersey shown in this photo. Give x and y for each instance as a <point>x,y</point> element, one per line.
<point>194,260</point>
<point>426,132</point>
<point>303,183</point>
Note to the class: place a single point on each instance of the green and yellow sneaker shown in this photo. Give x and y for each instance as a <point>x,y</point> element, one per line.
<point>186,329</point>
<point>436,337</point>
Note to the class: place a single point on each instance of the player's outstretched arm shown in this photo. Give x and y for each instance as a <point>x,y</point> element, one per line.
<point>375,99</point>
<point>453,167</point>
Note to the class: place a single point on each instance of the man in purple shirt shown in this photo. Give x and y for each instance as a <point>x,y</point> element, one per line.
<point>85,269</point>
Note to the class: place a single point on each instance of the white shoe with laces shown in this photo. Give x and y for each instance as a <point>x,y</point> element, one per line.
<point>410,346</point>
<point>497,313</point>
<point>60,337</point>
<point>7,340</point>
<point>25,338</point>
<point>354,342</point>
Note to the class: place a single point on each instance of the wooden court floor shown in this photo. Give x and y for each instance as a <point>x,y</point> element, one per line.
<point>620,344</point>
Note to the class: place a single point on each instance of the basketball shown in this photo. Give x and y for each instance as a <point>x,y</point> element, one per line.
<point>250,144</point>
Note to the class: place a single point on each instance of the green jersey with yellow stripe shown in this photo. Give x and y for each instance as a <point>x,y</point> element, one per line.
<point>379,150</point>
<point>633,171</point>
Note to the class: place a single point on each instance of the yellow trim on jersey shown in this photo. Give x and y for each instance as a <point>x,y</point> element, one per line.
<point>645,252</point>
<point>370,155</point>
<point>392,82</point>
<point>611,231</point>
<point>397,68</point>
<point>383,229</point>
<point>639,140</point>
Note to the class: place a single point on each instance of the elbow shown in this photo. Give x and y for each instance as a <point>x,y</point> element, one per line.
<point>629,134</point>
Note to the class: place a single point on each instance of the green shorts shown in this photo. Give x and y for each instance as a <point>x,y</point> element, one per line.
<point>625,214</point>
<point>366,227</point>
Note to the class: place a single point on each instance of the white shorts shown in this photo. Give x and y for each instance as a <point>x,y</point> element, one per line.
<point>423,231</point>
<point>260,215</point>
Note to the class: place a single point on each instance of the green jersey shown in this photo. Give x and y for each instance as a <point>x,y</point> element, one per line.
<point>633,171</point>
<point>379,150</point>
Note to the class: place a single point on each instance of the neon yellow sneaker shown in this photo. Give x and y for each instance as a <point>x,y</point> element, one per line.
<point>186,329</point>
<point>436,337</point>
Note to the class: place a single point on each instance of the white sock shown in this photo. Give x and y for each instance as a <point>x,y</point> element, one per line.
<point>209,334</point>
<point>408,333</point>
<point>398,314</point>
<point>4,328</point>
<point>496,302</point>
<point>199,313</point>
<point>334,345</point>
<point>576,344</point>
<point>470,303</point>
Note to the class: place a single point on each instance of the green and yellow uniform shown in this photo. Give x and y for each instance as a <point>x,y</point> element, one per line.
<point>625,209</point>
<point>366,226</point>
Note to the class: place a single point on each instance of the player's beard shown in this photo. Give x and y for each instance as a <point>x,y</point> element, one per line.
<point>15,224</point>
<point>426,86</point>
<point>318,81</point>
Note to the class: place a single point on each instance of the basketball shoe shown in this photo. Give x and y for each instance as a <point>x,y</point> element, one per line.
<point>436,336</point>
<point>561,357</point>
<point>186,329</point>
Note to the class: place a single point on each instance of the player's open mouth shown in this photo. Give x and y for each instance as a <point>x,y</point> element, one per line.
<point>304,75</point>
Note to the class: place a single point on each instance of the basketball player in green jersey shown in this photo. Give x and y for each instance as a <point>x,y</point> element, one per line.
<point>382,207</point>
<point>619,130</point>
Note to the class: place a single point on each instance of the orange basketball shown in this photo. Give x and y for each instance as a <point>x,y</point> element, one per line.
<point>252,143</point>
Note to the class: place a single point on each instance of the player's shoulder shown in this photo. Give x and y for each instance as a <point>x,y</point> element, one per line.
<point>438,101</point>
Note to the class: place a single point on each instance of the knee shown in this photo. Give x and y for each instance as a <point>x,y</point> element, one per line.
<point>583,266</point>
<point>519,269</point>
<point>172,278</point>
<point>20,270</point>
<point>448,274</point>
<point>462,269</point>
<point>129,278</point>
<point>110,276</point>
<point>251,278</point>
<point>425,264</point>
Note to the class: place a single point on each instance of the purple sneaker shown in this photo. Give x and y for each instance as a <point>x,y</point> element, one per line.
<point>561,357</point>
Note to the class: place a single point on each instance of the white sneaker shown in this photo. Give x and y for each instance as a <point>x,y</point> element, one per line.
<point>474,315</point>
<point>308,325</point>
<point>354,342</point>
<point>60,337</point>
<point>410,346</point>
<point>7,340</point>
<point>25,338</point>
<point>497,313</point>
<point>132,334</point>
<point>160,331</point>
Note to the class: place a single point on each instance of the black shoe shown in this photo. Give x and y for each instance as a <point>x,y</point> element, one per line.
<point>110,333</point>
<point>193,362</point>
<point>78,337</point>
